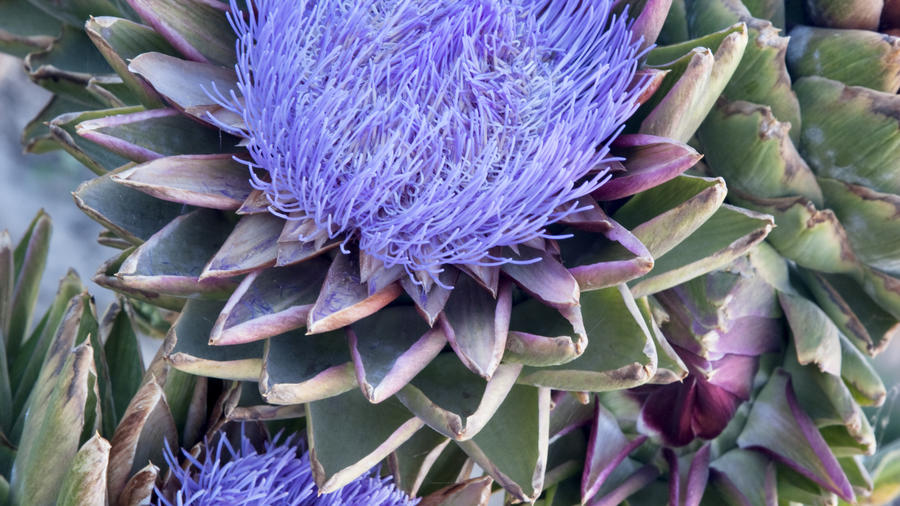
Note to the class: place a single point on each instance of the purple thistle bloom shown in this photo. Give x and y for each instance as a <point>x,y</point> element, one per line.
<point>432,132</point>
<point>243,477</point>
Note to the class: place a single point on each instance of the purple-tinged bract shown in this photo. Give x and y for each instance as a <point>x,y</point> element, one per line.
<point>432,132</point>
<point>275,477</point>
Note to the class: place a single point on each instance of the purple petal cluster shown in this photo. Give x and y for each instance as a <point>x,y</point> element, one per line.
<point>275,477</point>
<point>431,132</point>
<point>719,325</point>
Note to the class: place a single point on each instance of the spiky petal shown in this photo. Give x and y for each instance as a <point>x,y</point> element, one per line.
<point>432,132</point>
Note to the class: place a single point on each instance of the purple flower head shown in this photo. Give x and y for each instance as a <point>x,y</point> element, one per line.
<point>431,132</point>
<point>244,477</point>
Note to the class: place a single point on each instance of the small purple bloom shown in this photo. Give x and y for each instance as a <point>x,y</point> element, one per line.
<point>432,132</point>
<point>277,476</point>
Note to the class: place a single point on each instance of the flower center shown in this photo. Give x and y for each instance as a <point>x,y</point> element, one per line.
<point>432,132</point>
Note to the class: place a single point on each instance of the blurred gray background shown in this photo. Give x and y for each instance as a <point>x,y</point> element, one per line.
<point>32,182</point>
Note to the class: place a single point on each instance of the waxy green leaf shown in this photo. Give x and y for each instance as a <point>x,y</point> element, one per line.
<point>187,346</point>
<point>300,368</point>
<point>348,435</point>
<point>522,422</point>
<point>454,401</point>
<point>390,348</point>
<point>621,353</point>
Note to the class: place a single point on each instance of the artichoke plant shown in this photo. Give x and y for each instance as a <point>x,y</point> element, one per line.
<point>437,281</point>
<point>464,234</point>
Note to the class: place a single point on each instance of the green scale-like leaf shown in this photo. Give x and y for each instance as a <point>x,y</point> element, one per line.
<point>348,435</point>
<point>188,86</point>
<point>762,76</point>
<point>197,29</point>
<point>299,368</point>
<point>750,148</point>
<point>120,40</point>
<point>542,336</point>
<point>270,302</point>
<point>252,245</point>
<point>620,352</point>
<point>521,423</point>
<point>172,260</point>
<point>857,474</point>
<point>106,277</point>
<point>24,29</point>
<point>36,137</point>
<point>744,477</point>
<point>73,68</point>
<point>840,120</point>
<point>853,57</point>
<point>412,462</point>
<point>830,404</point>
<point>451,466</point>
<point>727,235</point>
<point>839,117</point>
<point>854,312</point>
<point>210,181</point>
<point>477,324</point>
<point>665,215</point>
<point>344,299</point>
<point>63,131</point>
<point>390,348</point>
<point>453,400</point>
<point>698,72</point>
<point>147,135</point>
<point>870,219</point>
<point>133,215</point>
<point>187,346</point>
<point>777,425</point>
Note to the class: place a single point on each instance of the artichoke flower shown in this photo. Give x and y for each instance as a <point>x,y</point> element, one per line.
<point>394,255</point>
<point>81,420</point>
<point>244,476</point>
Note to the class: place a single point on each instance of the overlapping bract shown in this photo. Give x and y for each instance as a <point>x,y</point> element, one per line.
<point>432,133</point>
